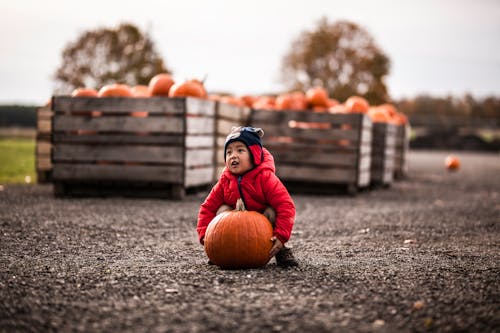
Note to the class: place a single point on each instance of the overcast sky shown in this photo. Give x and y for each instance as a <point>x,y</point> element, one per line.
<point>438,47</point>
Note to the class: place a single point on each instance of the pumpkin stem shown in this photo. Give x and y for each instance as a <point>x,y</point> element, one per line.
<point>240,205</point>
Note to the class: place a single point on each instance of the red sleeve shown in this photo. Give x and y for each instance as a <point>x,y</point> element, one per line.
<point>280,200</point>
<point>209,208</point>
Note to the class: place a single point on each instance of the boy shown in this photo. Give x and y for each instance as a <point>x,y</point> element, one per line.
<point>250,175</point>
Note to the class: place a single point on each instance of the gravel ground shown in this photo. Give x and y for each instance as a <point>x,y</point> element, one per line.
<point>422,255</point>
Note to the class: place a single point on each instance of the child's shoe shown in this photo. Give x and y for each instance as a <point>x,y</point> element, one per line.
<point>285,258</point>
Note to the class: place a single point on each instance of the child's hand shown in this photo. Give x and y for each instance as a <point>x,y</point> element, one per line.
<point>277,245</point>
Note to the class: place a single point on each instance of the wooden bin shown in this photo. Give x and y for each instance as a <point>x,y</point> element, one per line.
<point>227,116</point>
<point>43,148</point>
<point>401,153</point>
<point>315,152</point>
<point>383,152</point>
<point>151,146</point>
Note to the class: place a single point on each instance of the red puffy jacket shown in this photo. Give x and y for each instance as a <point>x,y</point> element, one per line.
<point>261,188</point>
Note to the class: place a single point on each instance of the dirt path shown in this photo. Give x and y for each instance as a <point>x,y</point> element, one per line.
<point>423,255</point>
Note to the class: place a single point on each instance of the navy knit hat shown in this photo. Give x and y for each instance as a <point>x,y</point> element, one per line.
<point>251,137</point>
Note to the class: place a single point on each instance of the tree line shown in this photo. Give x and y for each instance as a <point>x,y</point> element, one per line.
<point>18,116</point>
<point>479,112</point>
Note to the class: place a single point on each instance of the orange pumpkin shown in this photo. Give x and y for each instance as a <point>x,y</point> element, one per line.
<point>390,109</point>
<point>400,119</point>
<point>140,91</point>
<point>239,239</point>
<point>317,96</point>
<point>201,84</point>
<point>248,100</point>
<point>379,115</point>
<point>332,102</point>
<point>299,100</point>
<point>160,84</point>
<point>452,163</point>
<point>115,90</point>
<point>84,92</point>
<point>233,100</point>
<point>264,103</point>
<point>357,104</point>
<point>339,108</point>
<point>187,88</point>
<point>284,102</point>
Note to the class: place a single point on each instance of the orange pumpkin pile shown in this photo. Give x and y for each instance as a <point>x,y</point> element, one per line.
<point>314,99</point>
<point>161,85</point>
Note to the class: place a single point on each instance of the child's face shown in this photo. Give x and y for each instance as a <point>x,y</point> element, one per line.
<point>238,159</point>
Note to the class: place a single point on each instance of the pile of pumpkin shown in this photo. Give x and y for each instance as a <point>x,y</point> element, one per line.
<point>315,99</point>
<point>160,85</point>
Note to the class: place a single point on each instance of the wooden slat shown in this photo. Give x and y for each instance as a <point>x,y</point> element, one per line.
<point>44,111</point>
<point>319,158</point>
<point>131,138</point>
<point>199,141</point>
<point>365,148</point>
<point>85,172</point>
<point>309,174</point>
<point>202,107</point>
<point>199,157</point>
<point>383,151</point>
<point>119,104</point>
<point>224,126</point>
<point>44,126</point>
<point>199,176</point>
<point>232,112</point>
<point>43,147</point>
<point>219,156</point>
<point>284,117</point>
<point>383,162</point>
<point>153,105</point>
<point>118,124</point>
<point>401,149</point>
<point>122,153</point>
<point>310,134</point>
<point>43,163</point>
<point>339,147</point>
<point>364,163</point>
<point>200,125</point>
<point>363,178</point>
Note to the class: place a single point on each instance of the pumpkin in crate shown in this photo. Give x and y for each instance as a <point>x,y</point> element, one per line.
<point>160,84</point>
<point>239,239</point>
<point>115,90</point>
<point>357,104</point>
<point>193,88</point>
<point>85,92</point>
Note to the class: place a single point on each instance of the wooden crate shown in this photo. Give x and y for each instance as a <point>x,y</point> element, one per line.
<point>43,164</point>
<point>315,152</point>
<point>227,116</point>
<point>401,154</point>
<point>166,148</point>
<point>383,152</point>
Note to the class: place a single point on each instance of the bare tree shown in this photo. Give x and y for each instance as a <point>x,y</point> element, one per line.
<point>103,56</point>
<point>342,57</point>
